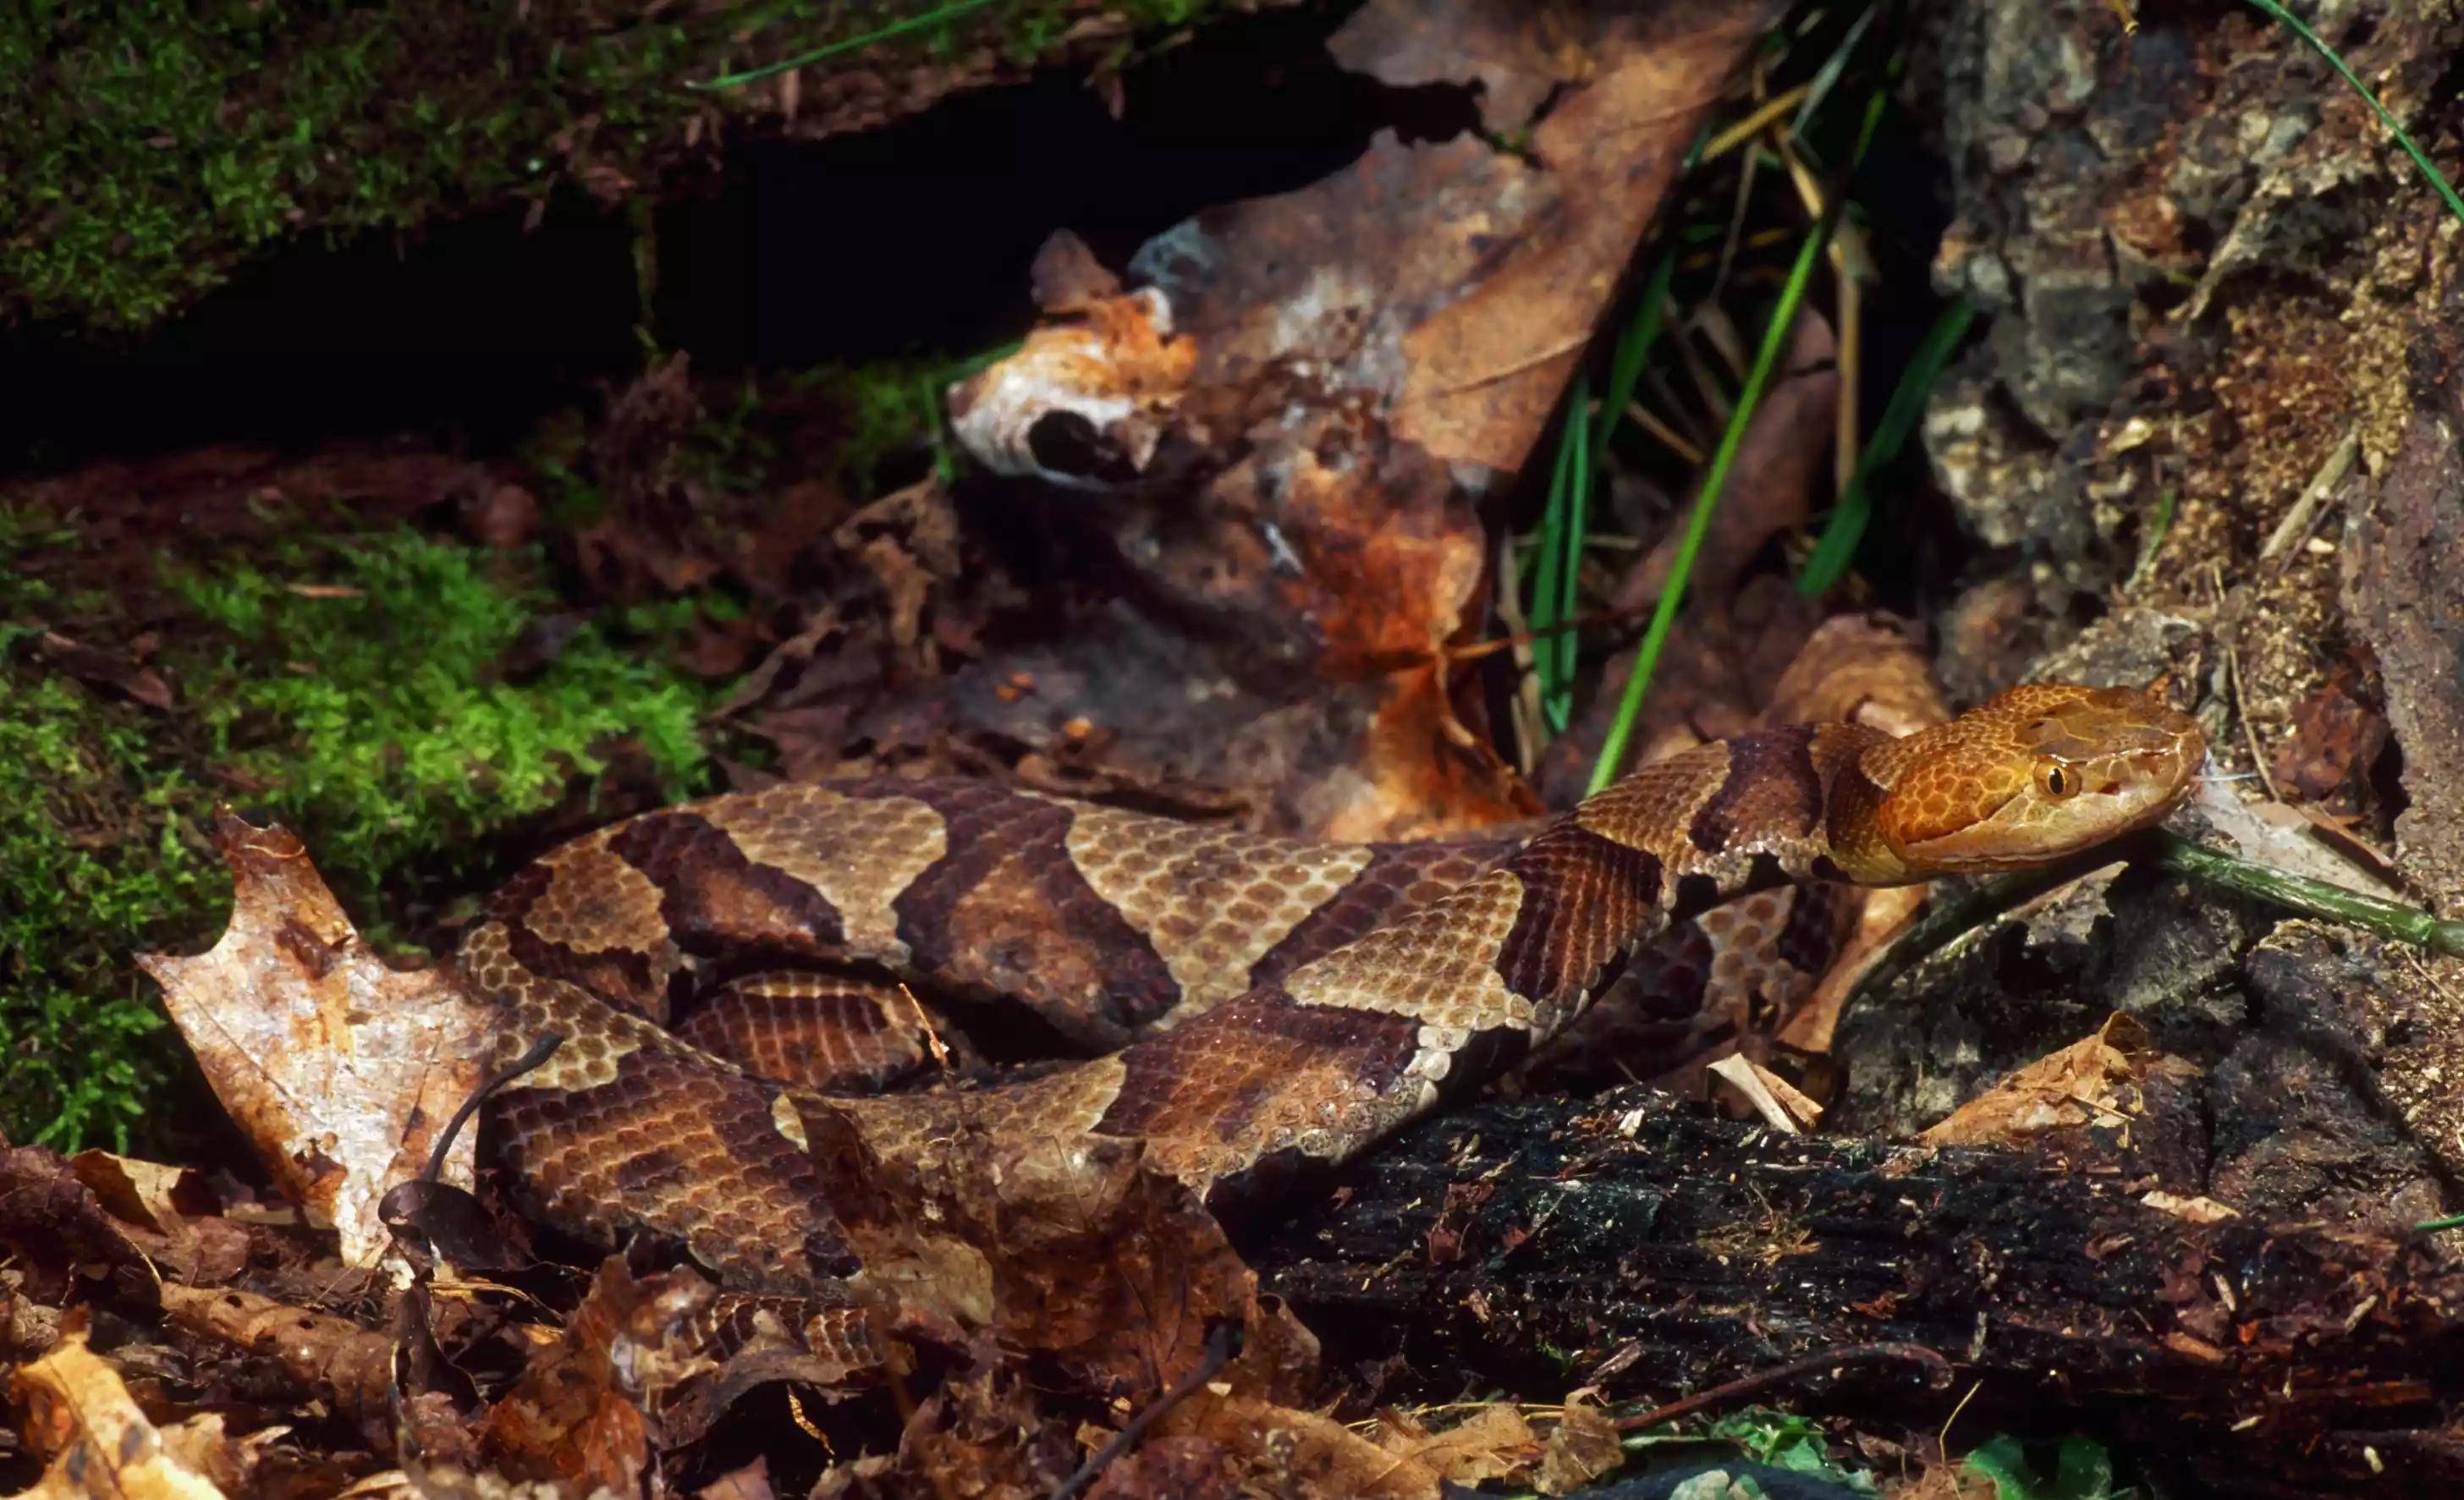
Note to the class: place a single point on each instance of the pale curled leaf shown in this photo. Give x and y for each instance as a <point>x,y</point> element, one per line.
<point>140,1192</point>
<point>341,1067</point>
<point>98,1445</point>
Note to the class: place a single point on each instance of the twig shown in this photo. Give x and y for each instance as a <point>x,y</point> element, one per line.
<point>2306,509</point>
<point>1844,275</point>
<point>1779,1375</point>
<point>1736,226</point>
<point>2249,730</point>
<point>1220,1346</point>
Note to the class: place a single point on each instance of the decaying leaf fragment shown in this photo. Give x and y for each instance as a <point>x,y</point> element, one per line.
<point>341,1067</point>
<point>100,1447</point>
<point>645,1365</point>
<point>1402,1460</point>
<point>2092,1081</point>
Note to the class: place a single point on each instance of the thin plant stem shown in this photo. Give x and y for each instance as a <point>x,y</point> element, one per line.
<point>2222,872</point>
<point>1972,904</point>
<point>1578,505</point>
<point>2420,158</point>
<point>1715,480</point>
<point>1846,527</point>
<point>822,53</point>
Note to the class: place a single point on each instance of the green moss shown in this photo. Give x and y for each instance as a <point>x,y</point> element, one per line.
<point>177,138</point>
<point>362,692</point>
<point>388,727</point>
<point>98,857</point>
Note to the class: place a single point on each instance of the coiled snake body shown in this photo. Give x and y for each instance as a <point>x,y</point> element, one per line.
<point>1280,1001</point>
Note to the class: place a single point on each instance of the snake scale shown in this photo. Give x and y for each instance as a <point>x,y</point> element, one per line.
<point>1259,1003</point>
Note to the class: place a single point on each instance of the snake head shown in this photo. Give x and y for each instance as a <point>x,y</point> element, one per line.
<point>2045,770</point>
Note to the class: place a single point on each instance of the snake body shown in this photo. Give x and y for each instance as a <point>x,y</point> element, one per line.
<point>1265,1001</point>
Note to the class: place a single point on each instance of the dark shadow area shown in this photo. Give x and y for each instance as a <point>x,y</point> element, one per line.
<point>916,238</point>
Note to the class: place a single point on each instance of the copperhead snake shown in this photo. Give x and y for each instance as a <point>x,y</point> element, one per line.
<point>1259,1003</point>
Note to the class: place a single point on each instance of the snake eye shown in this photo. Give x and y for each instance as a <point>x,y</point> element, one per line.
<point>2059,782</point>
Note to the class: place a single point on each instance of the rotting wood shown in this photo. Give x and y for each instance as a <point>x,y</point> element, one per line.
<point>1548,1245</point>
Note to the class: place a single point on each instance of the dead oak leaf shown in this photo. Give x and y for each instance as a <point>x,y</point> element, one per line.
<point>1486,369</point>
<point>341,1067</point>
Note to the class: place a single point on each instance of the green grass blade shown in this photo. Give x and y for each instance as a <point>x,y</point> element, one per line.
<point>1654,637</point>
<point>2420,159</point>
<point>2158,525</point>
<point>1634,347</point>
<point>1827,76</point>
<point>934,17</point>
<point>1846,527</point>
<point>1578,505</point>
<point>1547,588</point>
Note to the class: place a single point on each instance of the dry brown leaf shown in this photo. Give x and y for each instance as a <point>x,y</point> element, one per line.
<point>1319,1454</point>
<point>1487,369</point>
<point>80,1418</point>
<point>570,1418</point>
<point>54,1233</point>
<point>146,1193</point>
<point>1584,1445</point>
<point>1121,1274</point>
<point>2336,740</point>
<point>341,1069</point>
<point>1375,354</point>
<point>2095,1080</point>
<point>1495,1442</point>
<point>1183,1469</point>
<point>2200,1209</point>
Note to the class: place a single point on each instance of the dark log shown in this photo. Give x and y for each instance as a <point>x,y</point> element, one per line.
<point>1623,1240</point>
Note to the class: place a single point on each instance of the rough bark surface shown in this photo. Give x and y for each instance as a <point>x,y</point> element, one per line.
<point>1652,1250</point>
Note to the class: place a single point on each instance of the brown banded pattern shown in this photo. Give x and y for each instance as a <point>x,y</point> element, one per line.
<point>1332,1035</point>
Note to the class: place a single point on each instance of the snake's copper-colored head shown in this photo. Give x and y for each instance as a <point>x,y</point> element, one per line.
<point>2044,770</point>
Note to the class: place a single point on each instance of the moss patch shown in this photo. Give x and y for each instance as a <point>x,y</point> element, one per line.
<point>388,723</point>
<point>98,852</point>
<point>176,138</point>
<point>366,693</point>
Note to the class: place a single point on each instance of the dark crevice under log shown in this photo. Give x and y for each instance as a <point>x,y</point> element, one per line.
<point>1536,1244</point>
